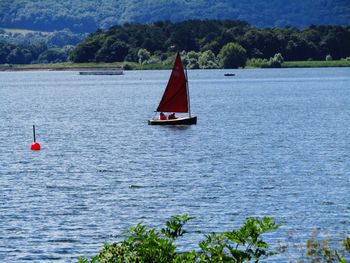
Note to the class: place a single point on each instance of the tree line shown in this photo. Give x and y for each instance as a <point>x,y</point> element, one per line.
<point>28,47</point>
<point>159,39</point>
<point>204,44</point>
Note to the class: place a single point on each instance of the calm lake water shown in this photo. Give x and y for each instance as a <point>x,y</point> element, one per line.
<point>267,143</point>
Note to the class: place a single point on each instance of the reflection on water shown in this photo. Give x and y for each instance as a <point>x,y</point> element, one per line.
<point>177,127</point>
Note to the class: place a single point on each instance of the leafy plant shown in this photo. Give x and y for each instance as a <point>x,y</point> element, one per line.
<point>151,246</point>
<point>240,245</point>
<point>146,245</point>
<point>174,227</point>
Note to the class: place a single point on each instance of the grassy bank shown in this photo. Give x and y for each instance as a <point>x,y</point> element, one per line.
<point>137,66</point>
<point>78,66</point>
<point>59,66</point>
<point>316,64</point>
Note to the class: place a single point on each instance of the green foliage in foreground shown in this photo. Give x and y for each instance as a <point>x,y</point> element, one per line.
<point>149,245</point>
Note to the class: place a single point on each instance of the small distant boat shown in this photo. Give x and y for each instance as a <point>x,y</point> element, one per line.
<point>229,74</point>
<point>104,71</point>
<point>176,98</point>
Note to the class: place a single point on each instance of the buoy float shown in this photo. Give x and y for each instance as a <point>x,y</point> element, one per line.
<point>35,145</point>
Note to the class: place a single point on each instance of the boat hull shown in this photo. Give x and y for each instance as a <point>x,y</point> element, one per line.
<point>102,72</point>
<point>178,121</point>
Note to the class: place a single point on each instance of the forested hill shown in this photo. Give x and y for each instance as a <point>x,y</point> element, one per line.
<point>88,15</point>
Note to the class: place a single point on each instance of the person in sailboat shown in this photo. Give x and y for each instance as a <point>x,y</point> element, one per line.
<point>162,116</point>
<point>172,116</point>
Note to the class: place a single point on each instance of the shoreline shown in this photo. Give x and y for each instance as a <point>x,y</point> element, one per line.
<point>53,67</point>
<point>135,66</point>
<point>56,69</point>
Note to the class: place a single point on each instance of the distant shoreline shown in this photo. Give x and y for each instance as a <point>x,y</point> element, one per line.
<point>61,67</point>
<point>15,69</point>
<point>68,66</point>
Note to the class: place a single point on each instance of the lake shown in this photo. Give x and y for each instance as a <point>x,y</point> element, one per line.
<point>272,142</point>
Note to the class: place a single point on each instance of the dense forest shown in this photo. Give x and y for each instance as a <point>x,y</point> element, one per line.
<point>26,47</point>
<point>121,43</point>
<point>205,42</point>
<point>59,38</point>
<point>87,16</point>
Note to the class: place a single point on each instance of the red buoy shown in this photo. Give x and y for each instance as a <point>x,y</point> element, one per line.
<point>35,145</point>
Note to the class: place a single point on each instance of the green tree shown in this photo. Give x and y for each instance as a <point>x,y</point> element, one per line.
<point>329,57</point>
<point>19,55</point>
<point>183,37</point>
<point>53,55</point>
<point>5,49</point>
<point>112,50</point>
<point>64,37</point>
<point>37,47</point>
<point>192,60</point>
<point>276,61</point>
<point>233,55</point>
<point>208,60</point>
<point>86,50</point>
<point>213,46</point>
<point>143,55</point>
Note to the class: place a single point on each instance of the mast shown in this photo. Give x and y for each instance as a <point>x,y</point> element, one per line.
<point>188,94</point>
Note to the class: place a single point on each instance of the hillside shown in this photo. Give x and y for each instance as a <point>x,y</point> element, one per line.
<point>87,16</point>
<point>123,43</point>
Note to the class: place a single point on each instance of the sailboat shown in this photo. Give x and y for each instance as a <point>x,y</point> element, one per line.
<point>176,98</point>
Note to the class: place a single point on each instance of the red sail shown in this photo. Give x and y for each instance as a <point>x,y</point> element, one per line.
<point>175,95</point>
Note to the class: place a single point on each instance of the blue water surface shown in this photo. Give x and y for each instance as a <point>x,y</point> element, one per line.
<point>272,142</point>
